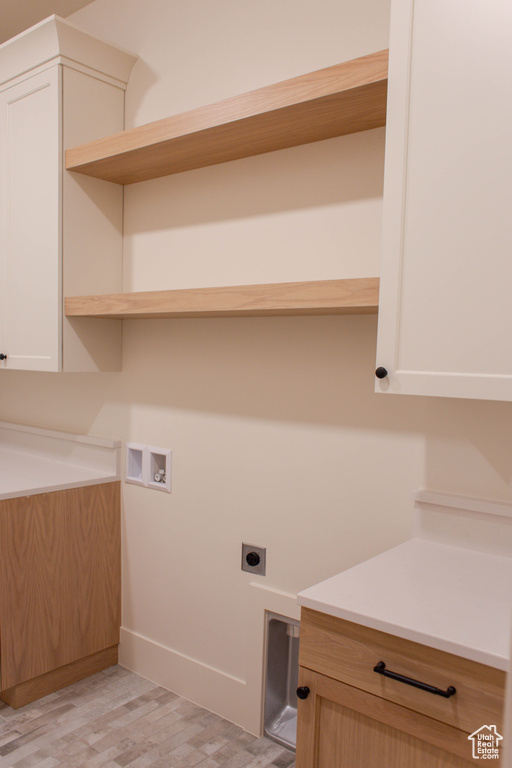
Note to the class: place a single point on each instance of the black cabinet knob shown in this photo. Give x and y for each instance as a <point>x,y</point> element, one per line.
<point>381,372</point>
<point>303,692</point>
<point>2,356</point>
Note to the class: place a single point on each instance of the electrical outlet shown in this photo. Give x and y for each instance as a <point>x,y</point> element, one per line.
<point>254,559</point>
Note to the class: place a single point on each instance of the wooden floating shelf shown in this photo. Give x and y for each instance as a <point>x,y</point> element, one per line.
<point>323,297</point>
<point>345,98</point>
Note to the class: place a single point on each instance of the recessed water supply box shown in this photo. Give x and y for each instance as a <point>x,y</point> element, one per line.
<point>147,466</point>
<point>134,462</point>
<point>281,679</point>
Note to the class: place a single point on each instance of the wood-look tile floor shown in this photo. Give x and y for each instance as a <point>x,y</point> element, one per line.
<point>116,719</point>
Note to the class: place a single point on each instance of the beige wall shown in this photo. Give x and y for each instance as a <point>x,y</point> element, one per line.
<point>277,437</point>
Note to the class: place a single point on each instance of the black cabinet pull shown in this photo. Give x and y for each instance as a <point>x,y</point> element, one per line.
<point>303,692</point>
<point>381,372</point>
<point>2,356</point>
<point>381,669</point>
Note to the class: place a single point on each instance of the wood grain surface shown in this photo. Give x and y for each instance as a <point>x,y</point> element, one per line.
<point>348,652</point>
<point>322,297</point>
<point>343,727</point>
<point>345,98</point>
<point>59,579</point>
<point>31,690</point>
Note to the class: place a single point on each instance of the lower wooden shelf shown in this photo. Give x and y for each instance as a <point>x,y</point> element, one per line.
<point>323,297</point>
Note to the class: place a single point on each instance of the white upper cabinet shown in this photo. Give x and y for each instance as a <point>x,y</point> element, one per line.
<point>30,229</point>
<point>59,233</point>
<point>445,317</point>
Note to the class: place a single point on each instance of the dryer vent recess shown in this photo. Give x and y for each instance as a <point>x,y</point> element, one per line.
<point>254,559</point>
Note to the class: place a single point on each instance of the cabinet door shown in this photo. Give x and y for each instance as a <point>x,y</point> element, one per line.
<point>59,579</point>
<point>342,727</point>
<point>30,239</point>
<point>445,318</point>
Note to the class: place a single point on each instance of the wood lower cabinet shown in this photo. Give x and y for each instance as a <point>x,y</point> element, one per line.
<point>342,727</point>
<point>60,589</point>
<point>356,718</point>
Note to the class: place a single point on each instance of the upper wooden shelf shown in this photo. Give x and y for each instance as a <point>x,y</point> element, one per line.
<point>345,98</point>
<point>323,297</point>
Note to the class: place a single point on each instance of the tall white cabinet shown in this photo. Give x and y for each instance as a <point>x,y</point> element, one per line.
<point>60,233</point>
<point>445,316</point>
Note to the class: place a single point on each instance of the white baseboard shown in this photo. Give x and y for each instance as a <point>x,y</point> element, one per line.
<point>206,686</point>
<point>239,701</point>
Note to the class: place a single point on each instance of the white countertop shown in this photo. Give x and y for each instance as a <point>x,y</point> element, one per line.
<point>35,461</point>
<point>452,598</point>
<point>24,475</point>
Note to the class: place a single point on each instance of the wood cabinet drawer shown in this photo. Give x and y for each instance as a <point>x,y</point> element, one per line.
<point>348,652</point>
<point>340,726</point>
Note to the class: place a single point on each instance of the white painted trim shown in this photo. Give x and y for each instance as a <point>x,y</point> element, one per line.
<point>470,503</point>
<point>471,386</point>
<point>33,73</point>
<point>69,436</point>
<point>185,657</point>
<point>34,460</point>
<point>55,37</point>
<point>274,593</point>
<point>91,72</point>
<point>482,525</point>
<point>70,64</point>
<point>395,182</point>
<point>190,678</point>
<point>237,700</point>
